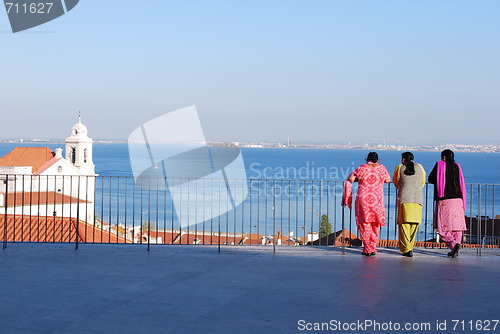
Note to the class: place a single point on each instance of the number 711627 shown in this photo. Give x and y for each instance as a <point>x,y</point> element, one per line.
<point>475,325</point>
<point>32,8</point>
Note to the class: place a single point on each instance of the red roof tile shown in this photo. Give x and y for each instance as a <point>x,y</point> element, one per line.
<point>50,229</point>
<point>35,157</point>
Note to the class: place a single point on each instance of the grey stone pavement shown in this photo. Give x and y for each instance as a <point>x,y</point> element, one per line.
<point>50,288</point>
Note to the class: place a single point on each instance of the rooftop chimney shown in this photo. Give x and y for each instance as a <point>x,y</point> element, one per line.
<point>59,153</point>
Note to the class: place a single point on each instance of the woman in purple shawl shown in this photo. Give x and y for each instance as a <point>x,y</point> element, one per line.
<point>449,194</point>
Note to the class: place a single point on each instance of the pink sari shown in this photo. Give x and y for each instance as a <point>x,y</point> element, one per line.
<point>369,204</point>
<point>449,217</point>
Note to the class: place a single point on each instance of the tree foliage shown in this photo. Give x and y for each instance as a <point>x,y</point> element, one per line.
<point>325,228</point>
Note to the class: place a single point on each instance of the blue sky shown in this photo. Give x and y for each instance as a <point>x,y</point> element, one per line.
<point>318,71</point>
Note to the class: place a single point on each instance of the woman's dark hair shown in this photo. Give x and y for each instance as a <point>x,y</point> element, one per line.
<point>449,155</point>
<point>372,156</point>
<point>451,165</point>
<point>410,165</point>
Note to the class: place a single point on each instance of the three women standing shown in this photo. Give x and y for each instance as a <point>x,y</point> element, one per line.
<point>409,179</point>
<point>369,205</point>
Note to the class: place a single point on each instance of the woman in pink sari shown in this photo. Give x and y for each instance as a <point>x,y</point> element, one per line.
<point>369,206</point>
<point>449,194</point>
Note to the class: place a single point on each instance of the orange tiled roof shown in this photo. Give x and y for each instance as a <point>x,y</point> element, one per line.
<point>40,198</point>
<point>50,229</point>
<point>35,157</point>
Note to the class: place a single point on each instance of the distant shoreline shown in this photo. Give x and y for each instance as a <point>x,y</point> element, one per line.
<point>400,148</point>
<point>359,147</point>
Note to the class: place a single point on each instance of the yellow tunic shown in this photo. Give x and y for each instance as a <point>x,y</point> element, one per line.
<point>409,217</point>
<point>410,213</point>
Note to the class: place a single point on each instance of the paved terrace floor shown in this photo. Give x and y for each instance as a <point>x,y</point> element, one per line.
<point>47,288</point>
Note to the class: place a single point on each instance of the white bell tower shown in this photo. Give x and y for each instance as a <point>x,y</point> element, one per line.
<point>79,149</point>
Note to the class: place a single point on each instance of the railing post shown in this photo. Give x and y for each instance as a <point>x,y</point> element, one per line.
<point>281,209</point>
<point>94,214</point>
<point>77,215</point>
<point>243,234</point>
<point>86,204</point>
<point>396,214</point>
<point>493,212</point>
<point>218,237</point>
<point>149,215</point>
<point>204,209</point>
<point>289,209</point>
<point>125,209</point>
<point>479,220</point>
<point>117,209</point>
<point>265,209</point>
<point>6,203</point>
<point>312,212</point>
<point>388,215</point>
<point>426,213</point>
<point>274,216</point>
<point>343,229</point>
<point>304,226</point>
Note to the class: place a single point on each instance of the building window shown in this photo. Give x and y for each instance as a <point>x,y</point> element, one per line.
<point>85,153</point>
<point>59,169</point>
<point>73,155</point>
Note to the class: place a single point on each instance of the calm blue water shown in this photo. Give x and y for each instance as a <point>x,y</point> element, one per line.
<point>328,165</point>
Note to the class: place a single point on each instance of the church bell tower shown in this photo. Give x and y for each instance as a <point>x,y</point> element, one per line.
<point>79,149</point>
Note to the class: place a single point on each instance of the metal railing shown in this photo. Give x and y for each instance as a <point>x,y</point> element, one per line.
<point>108,209</point>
